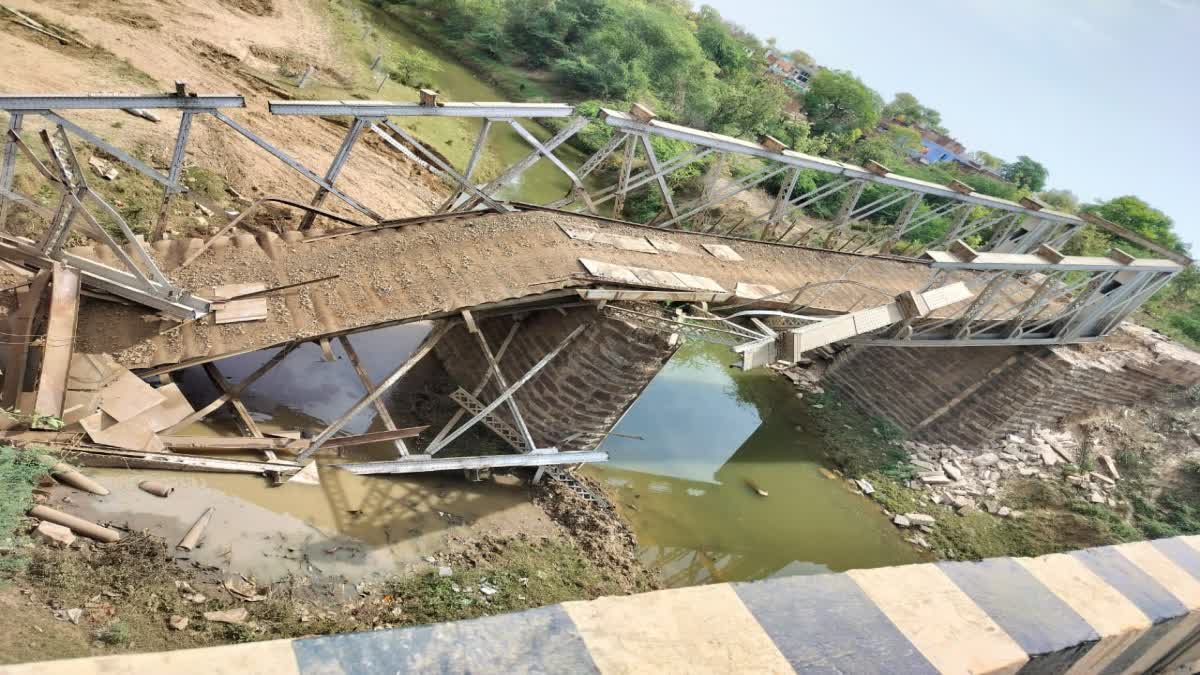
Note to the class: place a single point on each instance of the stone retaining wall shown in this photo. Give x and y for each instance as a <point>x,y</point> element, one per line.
<point>1130,609</point>
<point>583,391</point>
<point>974,395</point>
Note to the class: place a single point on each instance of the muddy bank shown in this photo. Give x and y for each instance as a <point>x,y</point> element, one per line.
<point>1113,475</point>
<point>140,594</point>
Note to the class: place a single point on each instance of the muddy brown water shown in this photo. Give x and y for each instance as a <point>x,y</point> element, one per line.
<point>713,436</point>
<point>710,432</point>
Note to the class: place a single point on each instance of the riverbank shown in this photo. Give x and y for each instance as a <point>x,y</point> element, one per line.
<point>1116,476</point>
<point>138,594</point>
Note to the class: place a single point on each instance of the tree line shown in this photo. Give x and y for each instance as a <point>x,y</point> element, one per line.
<point>695,68</point>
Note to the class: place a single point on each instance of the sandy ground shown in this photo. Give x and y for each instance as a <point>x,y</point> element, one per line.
<point>216,48</point>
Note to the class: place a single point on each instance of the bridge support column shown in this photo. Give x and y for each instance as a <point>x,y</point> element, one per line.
<point>583,392</point>
<point>973,395</point>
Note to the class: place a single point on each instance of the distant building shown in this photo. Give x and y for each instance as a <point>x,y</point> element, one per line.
<point>939,147</point>
<point>794,74</point>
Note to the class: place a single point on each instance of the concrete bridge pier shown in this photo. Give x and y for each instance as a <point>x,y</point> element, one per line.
<point>580,395</point>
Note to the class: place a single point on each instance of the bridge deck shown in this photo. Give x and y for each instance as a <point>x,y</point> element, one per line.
<point>438,268</point>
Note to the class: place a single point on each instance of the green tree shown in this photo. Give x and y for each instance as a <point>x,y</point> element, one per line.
<point>904,139</point>
<point>1135,214</point>
<point>412,66</point>
<point>750,104</point>
<point>1026,173</point>
<point>719,43</point>
<point>837,102</point>
<point>1061,200</point>
<point>906,108</point>
<point>987,159</point>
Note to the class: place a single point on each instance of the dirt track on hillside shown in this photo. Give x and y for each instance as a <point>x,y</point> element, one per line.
<point>144,47</point>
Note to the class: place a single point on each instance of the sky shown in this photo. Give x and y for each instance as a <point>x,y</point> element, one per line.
<point>1102,92</point>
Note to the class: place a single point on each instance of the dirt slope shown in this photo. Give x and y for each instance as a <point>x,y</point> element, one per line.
<point>144,47</point>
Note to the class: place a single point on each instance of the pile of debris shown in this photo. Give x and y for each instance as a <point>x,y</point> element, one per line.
<point>969,481</point>
<point>805,374</point>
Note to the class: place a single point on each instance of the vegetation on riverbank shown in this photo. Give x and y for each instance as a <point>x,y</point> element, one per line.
<point>1157,495</point>
<point>130,592</point>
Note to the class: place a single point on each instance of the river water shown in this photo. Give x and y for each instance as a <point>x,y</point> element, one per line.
<point>542,183</point>
<point>714,434</point>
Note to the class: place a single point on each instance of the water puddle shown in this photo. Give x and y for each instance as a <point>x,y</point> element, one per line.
<point>353,526</point>
<point>714,436</point>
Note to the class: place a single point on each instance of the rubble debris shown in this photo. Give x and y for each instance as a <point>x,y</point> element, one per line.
<point>103,168</point>
<point>754,488</point>
<point>69,475</point>
<point>78,525</point>
<point>902,521</point>
<point>54,534</point>
<point>177,622</point>
<point>192,538</point>
<point>864,485</point>
<point>235,616</point>
<point>920,519</point>
<point>1111,466</point>
<point>243,589</point>
<point>307,476</point>
<point>155,488</point>
<point>188,593</point>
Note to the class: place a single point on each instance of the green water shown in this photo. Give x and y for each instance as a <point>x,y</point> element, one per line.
<point>709,429</point>
<point>542,183</point>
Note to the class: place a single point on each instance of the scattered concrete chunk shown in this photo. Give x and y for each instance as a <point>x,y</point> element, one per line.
<point>55,534</point>
<point>1102,478</point>
<point>901,521</point>
<point>1049,458</point>
<point>920,518</point>
<point>986,459</point>
<point>865,486</point>
<point>1111,466</point>
<point>939,479</point>
<point>1097,498</point>
<point>1004,512</point>
<point>234,616</point>
<point>177,622</point>
<point>952,472</point>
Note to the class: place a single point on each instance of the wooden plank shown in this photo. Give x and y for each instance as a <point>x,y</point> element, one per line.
<point>638,244</point>
<point>20,332</point>
<point>657,278</point>
<point>722,252</point>
<point>128,396</point>
<point>700,283</point>
<point>605,270</point>
<point>754,291</point>
<point>60,341</point>
<point>232,443</point>
<point>103,429</point>
<point>235,311</point>
<point>668,246</point>
<point>174,409</point>
<point>103,457</point>
<point>90,372</point>
<point>373,437</point>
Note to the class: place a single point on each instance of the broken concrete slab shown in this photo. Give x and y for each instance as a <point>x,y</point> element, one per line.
<point>54,534</point>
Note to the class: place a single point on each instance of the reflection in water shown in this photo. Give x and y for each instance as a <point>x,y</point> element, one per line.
<point>355,526</point>
<point>711,433</point>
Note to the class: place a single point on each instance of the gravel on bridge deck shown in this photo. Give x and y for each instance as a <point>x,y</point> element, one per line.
<point>436,268</point>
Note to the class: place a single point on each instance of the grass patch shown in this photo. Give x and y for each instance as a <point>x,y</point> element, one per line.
<point>19,474</point>
<point>514,576</point>
<point>858,443</point>
<point>1053,521</point>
